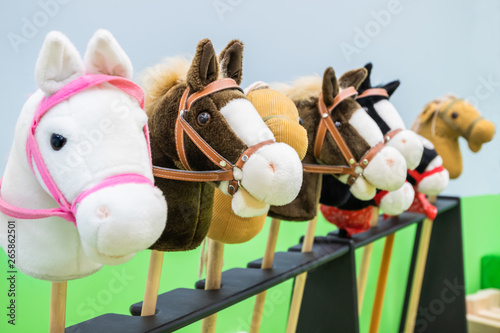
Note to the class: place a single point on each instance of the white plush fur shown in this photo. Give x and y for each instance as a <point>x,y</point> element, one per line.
<point>386,110</point>
<point>437,183</point>
<point>245,205</point>
<point>396,202</point>
<point>361,188</point>
<point>58,63</point>
<point>103,127</point>
<point>387,170</point>
<point>246,122</point>
<point>406,142</point>
<point>273,174</point>
<point>366,127</point>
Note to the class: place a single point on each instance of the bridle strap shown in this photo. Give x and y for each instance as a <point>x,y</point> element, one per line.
<point>373,92</point>
<point>207,176</point>
<point>326,124</point>
<point>442,114</point>
<point>420,176</point>
<point>182,127</point>
<point>391,134</point>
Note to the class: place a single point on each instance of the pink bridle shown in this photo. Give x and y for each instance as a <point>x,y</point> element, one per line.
<point>67,210</point>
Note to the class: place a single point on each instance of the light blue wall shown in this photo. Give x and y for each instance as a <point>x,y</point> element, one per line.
<point>433,47</point>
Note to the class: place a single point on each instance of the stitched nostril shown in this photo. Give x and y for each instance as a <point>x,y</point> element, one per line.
<point>103,212</point>
<point>403,141</point>
<point>272,167</point>
<point>390,162</point>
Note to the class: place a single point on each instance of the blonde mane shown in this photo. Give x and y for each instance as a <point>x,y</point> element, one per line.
<point>159,79</point>
<point>304,88</point>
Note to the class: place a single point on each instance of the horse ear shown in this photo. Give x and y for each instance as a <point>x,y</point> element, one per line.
<point>58,63</point>
<point>105,56</point>
<point>428,112</point>
<point>391,87</point>
<point>204,68</point>
<point>366,84</point>
<point>330,87</point>
<point>353,78</point>
<point>231,61</point>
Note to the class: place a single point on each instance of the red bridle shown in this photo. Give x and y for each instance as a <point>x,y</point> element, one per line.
<point>182,127</point>
<point>326,124</point>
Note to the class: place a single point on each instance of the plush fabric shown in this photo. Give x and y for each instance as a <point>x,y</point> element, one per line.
<point>272,174</point>
<point>304,207</point>
<point>352,222</point>
<point>103,127</point>
<point>281,116</point>
<point>435,183</point>
<point>383,112</point>
<point>444,120</point>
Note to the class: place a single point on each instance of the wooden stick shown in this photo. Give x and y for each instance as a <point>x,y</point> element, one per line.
<point>152,283</point>
<point>213,279</point>
<point>365,263</point>
<point>300,280</point>
<point>381,284</point>
<point>57,317</point>
<point>418,275</point>
<point>267,263</point>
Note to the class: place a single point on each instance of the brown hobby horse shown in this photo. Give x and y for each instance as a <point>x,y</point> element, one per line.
<point>387,168</point>
<point>228,123</point>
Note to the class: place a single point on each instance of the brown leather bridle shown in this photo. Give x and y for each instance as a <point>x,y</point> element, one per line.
<point>326,124</point>
<point>182,127</point>
<point>382,93</point>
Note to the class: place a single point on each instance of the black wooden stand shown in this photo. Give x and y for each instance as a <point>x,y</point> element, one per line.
<point>330,296</point>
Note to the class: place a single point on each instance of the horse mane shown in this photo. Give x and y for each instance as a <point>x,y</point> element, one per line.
<point>417,124</point>
<point>304,88</point>
<point>159,79</point>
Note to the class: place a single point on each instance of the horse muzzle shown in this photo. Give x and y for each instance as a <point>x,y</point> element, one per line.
<point>273,174</point>
<point>116,222</point>
<point>482,132</point>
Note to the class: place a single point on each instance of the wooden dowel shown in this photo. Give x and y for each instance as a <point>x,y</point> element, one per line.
<point>57,317</point>
<point>418,276</point>
<point>267,263</point>
<point>365,263</point>
<point>213,279</point>
<point>300,280</point>
<point>152,283</point>
<point>381,284</point>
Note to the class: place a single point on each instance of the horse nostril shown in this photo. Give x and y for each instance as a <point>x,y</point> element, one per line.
<point>390,162</point>
<point>272,167</point>
<point>103,212</point>
<point>403,141</point>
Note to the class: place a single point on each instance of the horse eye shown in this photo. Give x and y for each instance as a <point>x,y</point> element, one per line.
<point>338,125</point>
<point>454,115</point>
<point>57,141</point>
<point>301,122</point>
<point>204,118</point>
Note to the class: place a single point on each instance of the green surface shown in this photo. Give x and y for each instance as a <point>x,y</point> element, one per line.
<point>114,289</point>
<point>490,271</point>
